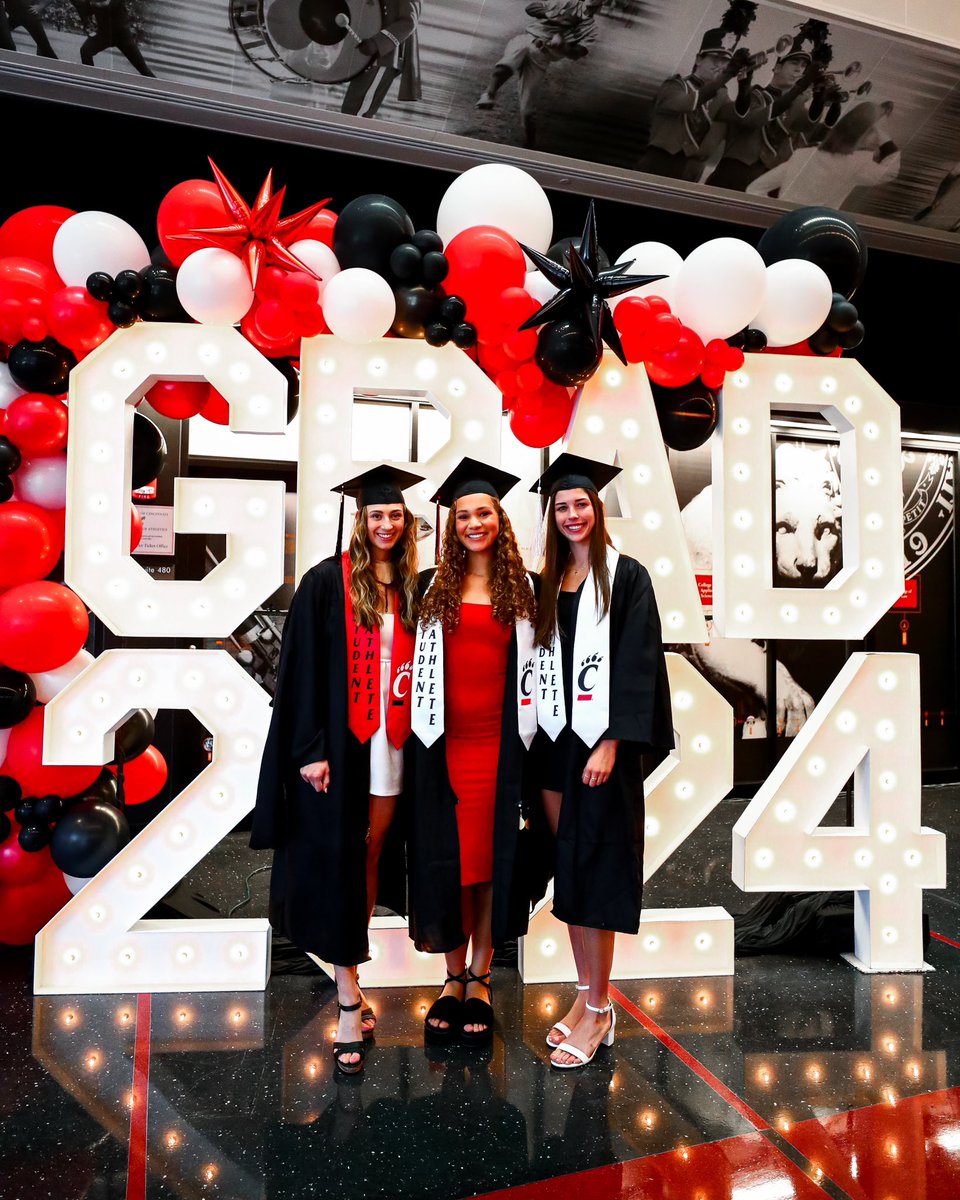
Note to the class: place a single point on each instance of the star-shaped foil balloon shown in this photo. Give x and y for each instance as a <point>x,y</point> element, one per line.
<point>585,290</point>
<point>258,235</point>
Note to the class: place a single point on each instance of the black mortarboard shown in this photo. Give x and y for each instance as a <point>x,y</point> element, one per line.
<point>470,476</point>
<point>379,485</point>
<point>572,471</point>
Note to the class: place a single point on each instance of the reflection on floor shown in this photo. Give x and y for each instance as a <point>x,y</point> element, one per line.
<point>796,1079</point>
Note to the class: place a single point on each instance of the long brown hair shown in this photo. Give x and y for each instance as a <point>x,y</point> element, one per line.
<point>509,586</point>
<point>364,594</point>
<point>556,555</point>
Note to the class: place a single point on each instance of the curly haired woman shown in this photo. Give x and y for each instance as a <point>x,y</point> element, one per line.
<point>474,717</point>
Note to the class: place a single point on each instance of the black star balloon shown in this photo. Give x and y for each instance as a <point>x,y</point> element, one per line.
<point>585,289</point>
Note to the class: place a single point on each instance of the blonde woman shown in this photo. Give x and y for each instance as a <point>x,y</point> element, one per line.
<point>332,769</point>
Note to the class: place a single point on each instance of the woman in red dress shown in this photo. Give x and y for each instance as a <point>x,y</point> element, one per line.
<point>474,718</point>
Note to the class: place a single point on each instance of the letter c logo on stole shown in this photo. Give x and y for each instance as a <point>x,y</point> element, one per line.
<point>526,683</point>
<point>401,684</point>
<point>586,680</point>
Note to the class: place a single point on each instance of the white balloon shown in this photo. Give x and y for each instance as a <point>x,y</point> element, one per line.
<point>9,390</point>
<point>720,287</point>
<point>359,305</point>
<point>499,195</point>
<point>539,287</point>
<point>97,241</point>
<point>319,258</point>
<point>650,258</point>
<point>214,287</point>
<point>51,683</point>
<point>76,882</point>
<point>43,481</point>
<point>798,299</point>
<point>4,738</point>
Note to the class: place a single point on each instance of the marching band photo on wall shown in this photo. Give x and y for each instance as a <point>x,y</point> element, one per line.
<point>750,97</point>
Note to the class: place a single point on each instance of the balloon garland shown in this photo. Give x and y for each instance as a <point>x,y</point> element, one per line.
<point>69,279</point>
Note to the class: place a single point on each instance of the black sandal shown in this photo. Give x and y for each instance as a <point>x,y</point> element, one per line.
<point>367,1014</point>
<point>349,1047</point>
<point>444,1008</point>
<point>477,1012</point>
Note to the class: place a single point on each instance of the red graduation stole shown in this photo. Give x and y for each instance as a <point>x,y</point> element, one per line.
<point>363,674</point>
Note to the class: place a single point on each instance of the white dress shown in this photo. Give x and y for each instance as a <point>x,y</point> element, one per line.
<point>386,761</point>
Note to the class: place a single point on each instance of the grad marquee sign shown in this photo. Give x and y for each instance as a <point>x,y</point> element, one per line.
<point>866,725</point>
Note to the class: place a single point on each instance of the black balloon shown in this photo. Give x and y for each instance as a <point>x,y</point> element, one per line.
<point>435,268</point>
<point>688,415</point>
<point>133,736</point>
<point>33,838</point>
<point>158,300</point>
<point>122,313</point>
<point>87,837</point>
<point>24,809</point>
<point>427,240</point>
<point>568,352</point>
<point>149,450</point>
<point>464,335</point>
<point>754,340</point>
<point>5,827</point>
<point>48,809</point>
<point>41,366</point>
<point>851,338</point>
<point>128,285</point>
<point>558,252</point>
<point>453,309</point>
<point>100,285</point>
<point>406,263</point>
<point>824,341</point>
<point>367,232</point>
<point>437,333</point>
<point>6,488</point>
<point>104,788</point>
<point>292,376</point>
<point>417,308</point>
<point>317,20</point>
<point>822,236</point>
<point>18,694</point>
<point>10,793</point>
<point>10,458</point>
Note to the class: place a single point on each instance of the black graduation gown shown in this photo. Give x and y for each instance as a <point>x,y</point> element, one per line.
<point>434,844</point>
<point>318,892</point>
<point>598,880</point>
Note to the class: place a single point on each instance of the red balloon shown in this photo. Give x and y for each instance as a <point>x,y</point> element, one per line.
<point>24,286</point>
<point>713,377</point>
<point>42,626</point>
<point>36,424</point>
<point>24,762</point>
<point>657,305</point>
<point>178,399</point>
<point>193,204</point>
<point>25,910</point>
<point>529,377</point>
<point>633,316</point>
<point>216,408</point>
<point>77,320</point>
<point>664,333</point>
<point>483,262</point>
<point>136,527</point>
<point>31,231</point>
<point>18,866</point>
<point>679,366</point>
<point>521,347</point>
<point>274,321</point>
<point>143,776</point>
<point>271,347</point>
<point>541,418</point>
<point>320,229</point>
<point>30,543</point>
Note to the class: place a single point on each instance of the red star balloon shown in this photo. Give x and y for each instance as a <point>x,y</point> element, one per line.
<point>258,235</point>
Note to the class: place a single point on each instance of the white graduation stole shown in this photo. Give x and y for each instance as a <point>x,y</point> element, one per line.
<point>590,702</point>
<point>427,687</point>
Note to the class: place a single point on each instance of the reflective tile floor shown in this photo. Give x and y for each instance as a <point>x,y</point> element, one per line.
<point>796,1079</point>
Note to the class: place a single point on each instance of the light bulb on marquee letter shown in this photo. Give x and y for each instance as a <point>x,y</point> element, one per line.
<point>867,725</point>
<point>616,416</point>
<point>103,390</point>
<point>680,793</point>
<point>746,604</point>
<point>333,371</point>
<point>96,942</point>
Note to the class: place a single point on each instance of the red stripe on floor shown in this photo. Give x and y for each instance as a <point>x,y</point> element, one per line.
<point>137,1151</point>
<point>941,938</point>
<point>688,1060</point>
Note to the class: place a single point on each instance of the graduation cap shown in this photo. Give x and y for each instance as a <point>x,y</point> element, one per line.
<point>379,485</point>
<point>572,471</point>
<point>470,477</point>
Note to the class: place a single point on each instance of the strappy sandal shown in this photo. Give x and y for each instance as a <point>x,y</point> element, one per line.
<point>477,1012</point>
<point>367,1014</point>
<point>340,1048</point>
<point>564,1029</point>
<point>444,1008</point>
<point>576,1052</point>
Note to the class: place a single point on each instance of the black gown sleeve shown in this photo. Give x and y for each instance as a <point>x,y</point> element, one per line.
<point>299,724</point>
<point>639,690</point>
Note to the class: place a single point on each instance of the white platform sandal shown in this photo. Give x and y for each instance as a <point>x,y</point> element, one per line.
<point>564,1029</point>
<point>576,1052</point>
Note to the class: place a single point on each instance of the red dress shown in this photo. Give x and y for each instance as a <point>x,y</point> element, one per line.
<point>474,682</point>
